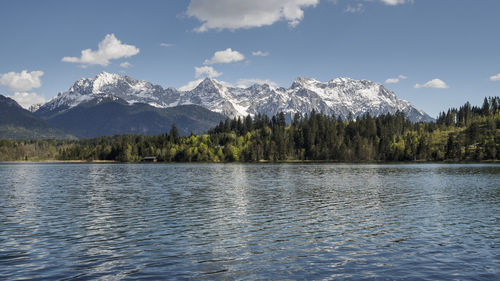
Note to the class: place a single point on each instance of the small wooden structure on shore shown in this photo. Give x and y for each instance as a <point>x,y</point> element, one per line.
<point>151,159</point>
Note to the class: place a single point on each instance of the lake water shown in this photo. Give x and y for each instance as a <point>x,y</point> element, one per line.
<point>247,222</point>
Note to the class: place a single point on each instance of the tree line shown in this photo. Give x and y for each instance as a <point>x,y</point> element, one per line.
<point>468,133</point>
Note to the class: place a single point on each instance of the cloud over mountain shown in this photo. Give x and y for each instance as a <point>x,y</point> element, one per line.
<point>27,99</point>
<point>21,81</point>
<point>108,49</point>
<point>206,71</point>
<point>225,56</point>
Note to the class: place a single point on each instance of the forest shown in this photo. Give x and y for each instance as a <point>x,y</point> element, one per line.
<point>469,133</point>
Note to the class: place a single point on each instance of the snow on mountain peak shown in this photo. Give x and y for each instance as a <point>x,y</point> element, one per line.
<point>339,96</point>
<point>305,79</point>
<point>105,79</point>
<point>207,84</point>
<point>343,80</point>
<point>301,81</point>
<point>35,107</point>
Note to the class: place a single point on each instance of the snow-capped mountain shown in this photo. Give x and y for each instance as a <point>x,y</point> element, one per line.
<point>340,96</point>
<point>35,107</point>
<point>106,85</point>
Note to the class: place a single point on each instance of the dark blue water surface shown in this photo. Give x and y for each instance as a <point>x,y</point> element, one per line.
<point>247,222</point>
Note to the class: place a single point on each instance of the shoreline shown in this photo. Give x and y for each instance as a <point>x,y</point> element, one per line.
<point>258,162</point>
<point>59,161</point>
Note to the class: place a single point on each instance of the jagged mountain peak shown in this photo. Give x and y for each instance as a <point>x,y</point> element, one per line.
<point>105,78</point>
<point>106,84</point>
<point>105,74</point>
<point>256,86</point>
<point>302,81</point>
<point>35,107</point>
<point>340,96</point>
<point>343,80</point>
<point>208,84</point>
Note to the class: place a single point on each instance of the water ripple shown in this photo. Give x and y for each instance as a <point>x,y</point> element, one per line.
<point>247,222</point>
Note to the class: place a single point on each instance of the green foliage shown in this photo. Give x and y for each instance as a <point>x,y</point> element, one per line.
<point>466,134</point>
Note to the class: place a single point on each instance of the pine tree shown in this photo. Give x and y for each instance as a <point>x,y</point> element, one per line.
<point>174,134</point>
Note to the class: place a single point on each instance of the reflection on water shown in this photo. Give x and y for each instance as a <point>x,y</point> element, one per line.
<point>266,221</point>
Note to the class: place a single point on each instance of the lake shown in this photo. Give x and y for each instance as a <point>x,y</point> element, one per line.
<point>249,221</point>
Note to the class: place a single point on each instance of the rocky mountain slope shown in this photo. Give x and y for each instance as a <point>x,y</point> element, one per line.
<point>18,123</point>
<point>341,96</point>
<point>105,116</point>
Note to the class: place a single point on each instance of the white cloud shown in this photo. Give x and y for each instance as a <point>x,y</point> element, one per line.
<point>190,85</point>
<point>166,44</point>
<point>395,2</point>
<point>225,56</point>
<point>495,77</point>
<point>27,99</point>
<point>357,9</point>
<point>260,53</point>
<point>125,64</point>
<point>236,14</point>
<point>245,83</point>
<point>109,48</point>
<point>392,80</point>
<point>207,71</point>
<point>225,84</point>
<point>21,81</point>
<point>395,80</point>
<point>434,83</point>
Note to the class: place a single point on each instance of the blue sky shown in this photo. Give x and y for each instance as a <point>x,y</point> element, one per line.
<point>437,54</point>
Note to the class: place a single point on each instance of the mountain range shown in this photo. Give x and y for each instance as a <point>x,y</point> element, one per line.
<point>110,104</point>
<point>101,116</point>
<point>340,96</point>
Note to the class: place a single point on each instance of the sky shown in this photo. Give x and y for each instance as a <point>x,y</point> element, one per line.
<point>436,54</point>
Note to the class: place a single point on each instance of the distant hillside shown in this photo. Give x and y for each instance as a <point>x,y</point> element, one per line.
<point>109,115</point>
<point>18,123</point>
